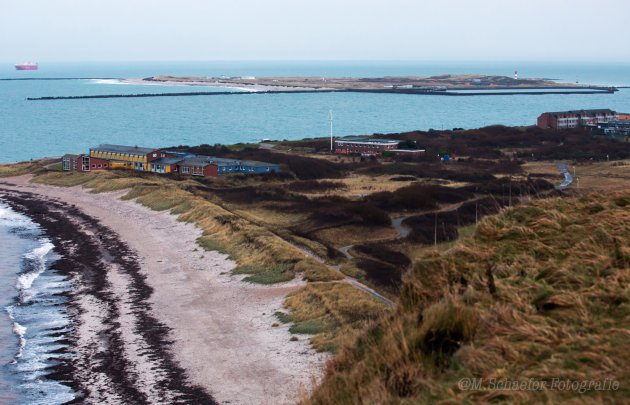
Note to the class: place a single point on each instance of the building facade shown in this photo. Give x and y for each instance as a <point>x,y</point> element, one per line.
<point>575,119</point>
<point>128,157</point>
<point>104,157</point>
<point>365,147</point>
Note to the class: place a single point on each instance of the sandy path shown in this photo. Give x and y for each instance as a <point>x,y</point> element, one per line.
<point>221,327</point>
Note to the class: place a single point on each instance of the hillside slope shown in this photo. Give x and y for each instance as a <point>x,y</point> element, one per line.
<point>539,293</point>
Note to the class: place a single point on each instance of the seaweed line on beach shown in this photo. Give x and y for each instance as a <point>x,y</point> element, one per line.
<point>101,367</point>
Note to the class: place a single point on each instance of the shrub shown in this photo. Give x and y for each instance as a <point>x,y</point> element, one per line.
<point>417,196</point>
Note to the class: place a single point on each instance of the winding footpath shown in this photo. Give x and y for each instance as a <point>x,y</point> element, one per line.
<point>568,179</point>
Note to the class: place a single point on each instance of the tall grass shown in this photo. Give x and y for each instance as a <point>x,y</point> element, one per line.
<point>538,292</point>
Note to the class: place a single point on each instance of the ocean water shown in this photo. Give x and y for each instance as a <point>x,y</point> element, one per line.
<point>32,304</point>
<point>31,129</point>
<point>33,315</point>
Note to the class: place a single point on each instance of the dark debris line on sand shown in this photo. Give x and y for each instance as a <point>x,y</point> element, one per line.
<point>103,371</point>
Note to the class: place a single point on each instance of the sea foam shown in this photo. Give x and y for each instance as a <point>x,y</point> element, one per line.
<point>19,330</point>
<point>36,259</point>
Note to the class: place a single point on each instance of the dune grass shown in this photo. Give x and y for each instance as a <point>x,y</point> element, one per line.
<point>538,292</point>
<point>331,310</point>
<point>18,169</point>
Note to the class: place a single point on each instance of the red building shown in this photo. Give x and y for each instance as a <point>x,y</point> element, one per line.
<point>83,163</point>
<point>198,166</point>
<point>575,119</point>
<point>365,146</point>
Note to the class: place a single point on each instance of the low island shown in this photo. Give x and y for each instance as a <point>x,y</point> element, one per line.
<point>443,85</point>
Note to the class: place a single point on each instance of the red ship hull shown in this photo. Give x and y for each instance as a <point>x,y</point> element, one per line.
<point>25,67</point>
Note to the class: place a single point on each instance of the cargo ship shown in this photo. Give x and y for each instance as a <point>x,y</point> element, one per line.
<point>26,66</point>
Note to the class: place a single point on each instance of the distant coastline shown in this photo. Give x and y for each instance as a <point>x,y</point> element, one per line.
<point>443,85</point>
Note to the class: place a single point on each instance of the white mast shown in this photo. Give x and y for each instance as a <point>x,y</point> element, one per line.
<point>330,119</point>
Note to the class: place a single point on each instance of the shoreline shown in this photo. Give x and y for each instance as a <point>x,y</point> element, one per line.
<point>218,328</point>
<point>103,323</point>
<point>226,85</point>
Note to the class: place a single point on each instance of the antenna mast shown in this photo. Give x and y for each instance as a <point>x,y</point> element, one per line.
<point>330,119</point>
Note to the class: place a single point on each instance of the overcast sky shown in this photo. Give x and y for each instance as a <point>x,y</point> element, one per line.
<point>87,30</point>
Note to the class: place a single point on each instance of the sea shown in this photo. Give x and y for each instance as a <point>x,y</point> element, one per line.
<point>32,129</point>
<point>33,311</point>
<point>34,319</point>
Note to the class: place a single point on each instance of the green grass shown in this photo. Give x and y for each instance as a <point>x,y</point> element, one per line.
<point>56,167</point>
<point>266,274</point>
<point>310,327</point>
<point>208,243</point>
<point>283,317</point>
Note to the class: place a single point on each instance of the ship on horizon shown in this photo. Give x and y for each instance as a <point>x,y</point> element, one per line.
<point>26,66</point>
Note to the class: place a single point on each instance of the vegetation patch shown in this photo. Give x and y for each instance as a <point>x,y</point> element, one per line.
<point>266,274</point>
<point>308,327</point>
<point>538,292</point>
<point>209,243</point>
<point>335,308</point>
<point>283,317</point>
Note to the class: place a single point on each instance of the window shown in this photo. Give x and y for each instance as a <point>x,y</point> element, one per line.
<point>100,165</point>
<point>93,166</point>
<point>105,165</point>
<point>186,170</point>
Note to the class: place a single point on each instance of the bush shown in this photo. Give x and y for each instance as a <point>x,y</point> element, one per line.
<point>311,186</point>
<point>418,196</point>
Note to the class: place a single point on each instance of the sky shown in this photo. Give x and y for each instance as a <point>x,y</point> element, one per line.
<point>173,30</point>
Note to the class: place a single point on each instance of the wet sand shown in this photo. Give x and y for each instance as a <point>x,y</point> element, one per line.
<point>174,311</point>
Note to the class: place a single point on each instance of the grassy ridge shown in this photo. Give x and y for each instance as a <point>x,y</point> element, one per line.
<point>539,292</point>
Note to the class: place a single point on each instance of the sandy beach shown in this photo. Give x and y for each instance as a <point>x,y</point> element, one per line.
<point>219,326</point>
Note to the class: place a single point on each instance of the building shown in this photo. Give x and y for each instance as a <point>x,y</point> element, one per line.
<point>619,129</point>
<point>365,146</point>
<point>623,116</point>
<point>165,165</point>
<point>83,163</point>
<point>104,157</point>
<point>407,152</point>
<point>71,163</point>
<point>128,157</point>
<point>213,166</point>
<point>198,166</point>
<point>575,119</point>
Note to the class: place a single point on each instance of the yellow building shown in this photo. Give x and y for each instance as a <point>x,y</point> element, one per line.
<point>126,157</point>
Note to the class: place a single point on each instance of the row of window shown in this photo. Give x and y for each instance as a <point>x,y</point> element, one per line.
<point>119,156</point>
<point>368,146</point>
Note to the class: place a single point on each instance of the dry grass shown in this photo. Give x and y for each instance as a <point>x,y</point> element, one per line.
<point>331,310</point>
<point>18,169</point>
<point>353,234</point>
<point>360,185</point>
<point>539,292</point>
<point>613,175</point>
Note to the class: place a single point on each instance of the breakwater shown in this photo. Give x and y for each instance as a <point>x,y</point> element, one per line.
<point>461,92</point>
